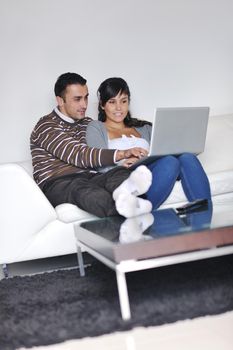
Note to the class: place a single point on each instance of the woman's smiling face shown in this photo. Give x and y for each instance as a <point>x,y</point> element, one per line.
<point>116,108</point>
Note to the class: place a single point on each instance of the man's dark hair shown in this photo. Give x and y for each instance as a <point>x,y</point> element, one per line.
<point>67,79</point>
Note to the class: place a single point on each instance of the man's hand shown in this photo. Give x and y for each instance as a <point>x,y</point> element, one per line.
<point>136,152</point>
<point>128,162</point>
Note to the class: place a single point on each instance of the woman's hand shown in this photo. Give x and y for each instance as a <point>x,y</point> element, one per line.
<point>136,152</point>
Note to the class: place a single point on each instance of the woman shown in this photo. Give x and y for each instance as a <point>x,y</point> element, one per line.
<point>116,129</point>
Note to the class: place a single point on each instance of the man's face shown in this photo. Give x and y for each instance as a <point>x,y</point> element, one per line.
<point>74,103</point>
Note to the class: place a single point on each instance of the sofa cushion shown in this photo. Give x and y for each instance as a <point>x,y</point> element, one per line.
<point>70,213</point>
<point>220,183</point>
<point>217,156</point>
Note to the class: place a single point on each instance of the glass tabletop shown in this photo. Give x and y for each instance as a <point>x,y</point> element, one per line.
<point>161,232</point>
<point>161,223</point>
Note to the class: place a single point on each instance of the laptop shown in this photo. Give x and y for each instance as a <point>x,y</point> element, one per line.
<point>176,130</point>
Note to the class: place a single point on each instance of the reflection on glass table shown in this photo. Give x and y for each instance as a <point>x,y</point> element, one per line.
<point>159,223</point>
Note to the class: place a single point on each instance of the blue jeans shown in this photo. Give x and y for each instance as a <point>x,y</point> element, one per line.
<point>168,169</point>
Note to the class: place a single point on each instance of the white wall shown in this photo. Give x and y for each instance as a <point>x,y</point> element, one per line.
<point>171,52</point>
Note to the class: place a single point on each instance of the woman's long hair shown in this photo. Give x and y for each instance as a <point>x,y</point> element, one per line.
<point>110,88</point>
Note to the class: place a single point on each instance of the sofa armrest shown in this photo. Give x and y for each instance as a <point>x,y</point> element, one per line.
<point>24,209</point>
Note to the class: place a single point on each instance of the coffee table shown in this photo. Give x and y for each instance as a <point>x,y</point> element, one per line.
<point>169,239</point>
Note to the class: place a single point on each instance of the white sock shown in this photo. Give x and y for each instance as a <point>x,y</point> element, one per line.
<point>137,183</point>
<point>132,229</point>
<point>129,205</point>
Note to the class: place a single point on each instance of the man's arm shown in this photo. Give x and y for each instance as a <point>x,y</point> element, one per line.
<point>50,139</point>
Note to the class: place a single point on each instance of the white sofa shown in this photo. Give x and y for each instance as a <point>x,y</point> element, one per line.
<point>31,228</point>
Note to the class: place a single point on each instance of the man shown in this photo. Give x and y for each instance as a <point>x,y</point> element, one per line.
<point>65,167</point>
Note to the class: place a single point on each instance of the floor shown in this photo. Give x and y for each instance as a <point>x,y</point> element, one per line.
<point>213,333</point>
<point>201,333</point>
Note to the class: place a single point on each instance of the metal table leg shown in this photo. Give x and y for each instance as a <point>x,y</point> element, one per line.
<point>80,261</point>
<point>123,295</point>
<point>120,276</point>
<point>5,270</point>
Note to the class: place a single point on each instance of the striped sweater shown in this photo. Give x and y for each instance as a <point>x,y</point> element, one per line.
<point>59,148</point>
